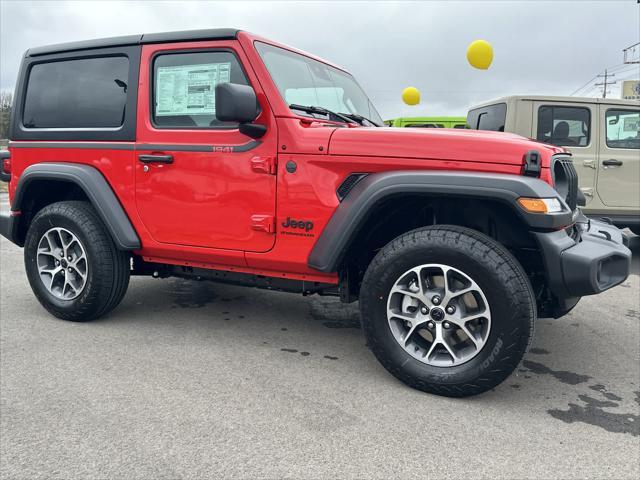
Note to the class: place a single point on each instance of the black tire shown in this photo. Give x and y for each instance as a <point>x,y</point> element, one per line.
<point>497,273</point>
<point>108,267</point>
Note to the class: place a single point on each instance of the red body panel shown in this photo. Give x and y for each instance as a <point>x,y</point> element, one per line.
<point>445,144</point>
<point>201,210</point>
<point>203,199</point>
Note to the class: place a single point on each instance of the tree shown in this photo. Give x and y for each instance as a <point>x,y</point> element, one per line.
<point>6,99</point>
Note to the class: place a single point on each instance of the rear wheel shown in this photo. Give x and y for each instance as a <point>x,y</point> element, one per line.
<point>447,310</point>
<point>74,268</point>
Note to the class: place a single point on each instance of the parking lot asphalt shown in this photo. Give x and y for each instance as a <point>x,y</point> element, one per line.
<point>198,380</point>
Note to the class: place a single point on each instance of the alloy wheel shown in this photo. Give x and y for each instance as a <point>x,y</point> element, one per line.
<point>439,315</point>
<point>62,263</point>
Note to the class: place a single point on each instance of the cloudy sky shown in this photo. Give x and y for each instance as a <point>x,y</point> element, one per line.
<point>541,47</point>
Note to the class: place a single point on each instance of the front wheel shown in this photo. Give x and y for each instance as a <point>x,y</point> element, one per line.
<point>447,310</point>
<point>74,268</point>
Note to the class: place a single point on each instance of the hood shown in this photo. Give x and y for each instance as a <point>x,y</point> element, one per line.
<point>438,144</point>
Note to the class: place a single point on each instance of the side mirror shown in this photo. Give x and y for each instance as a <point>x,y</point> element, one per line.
<point>238,103</point>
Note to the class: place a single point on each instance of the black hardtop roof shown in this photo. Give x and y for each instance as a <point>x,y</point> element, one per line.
<point>127,40</point>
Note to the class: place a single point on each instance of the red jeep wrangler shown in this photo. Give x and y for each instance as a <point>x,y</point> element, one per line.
<point>219,155</point>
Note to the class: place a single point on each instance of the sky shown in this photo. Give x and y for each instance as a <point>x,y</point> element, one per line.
<point>540,47</point>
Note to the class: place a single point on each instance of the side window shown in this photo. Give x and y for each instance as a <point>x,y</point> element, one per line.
<point>564,126</point>
<point>460,125</point>
<point>492,117</point>
<point>184,88</point>
<point>82,93</point>
<point>623,128</point>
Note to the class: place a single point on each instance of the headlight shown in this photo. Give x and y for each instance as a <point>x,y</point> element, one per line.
<point>540,205</point>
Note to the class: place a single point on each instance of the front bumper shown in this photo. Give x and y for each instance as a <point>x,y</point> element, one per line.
<point>592,259</point>
<point>9,226</point>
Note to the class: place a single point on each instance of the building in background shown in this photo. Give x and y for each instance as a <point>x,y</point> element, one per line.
<point>630,90</point>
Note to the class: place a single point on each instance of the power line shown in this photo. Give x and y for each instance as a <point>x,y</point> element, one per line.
<point>583,86</point>
<point>621,67</point>
<point>617,69</point>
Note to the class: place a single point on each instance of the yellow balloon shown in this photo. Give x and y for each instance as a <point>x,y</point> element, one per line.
<point>411,96</point>
<point>480,54</point>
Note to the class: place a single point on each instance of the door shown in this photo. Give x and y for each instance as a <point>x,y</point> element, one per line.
<point>199,181</point>
<point>619,174</point>
<point>575,127</point>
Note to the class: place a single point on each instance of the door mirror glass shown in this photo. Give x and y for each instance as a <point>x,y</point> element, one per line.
<point>236,103</point>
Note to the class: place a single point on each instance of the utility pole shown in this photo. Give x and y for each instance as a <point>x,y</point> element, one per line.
<point>605,83</point>
<point>629,54</point>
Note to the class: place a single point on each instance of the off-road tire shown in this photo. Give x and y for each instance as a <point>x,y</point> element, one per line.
<point>109,267</point>
<point>494,269</point>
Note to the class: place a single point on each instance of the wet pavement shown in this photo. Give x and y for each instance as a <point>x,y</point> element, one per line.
<point>193,379</point>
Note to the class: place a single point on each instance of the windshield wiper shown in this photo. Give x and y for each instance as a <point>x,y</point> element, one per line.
<point>322,111</point>
<point>360,119</point>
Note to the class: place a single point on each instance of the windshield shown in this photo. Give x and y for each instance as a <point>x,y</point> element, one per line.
<point>304,81</point>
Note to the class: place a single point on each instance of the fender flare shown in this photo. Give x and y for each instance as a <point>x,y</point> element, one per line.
<point>95,187</point>
<point>361,201</point>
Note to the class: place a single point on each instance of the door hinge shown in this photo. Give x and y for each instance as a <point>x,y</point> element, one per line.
<point>267,165</point>
<point>263,223</point>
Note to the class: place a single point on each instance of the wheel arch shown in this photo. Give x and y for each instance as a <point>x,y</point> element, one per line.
<point>363,203</point>
<point>44,183</point>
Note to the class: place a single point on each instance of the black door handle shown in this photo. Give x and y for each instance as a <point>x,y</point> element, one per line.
<point>612,163</point>
<point>156,158</point>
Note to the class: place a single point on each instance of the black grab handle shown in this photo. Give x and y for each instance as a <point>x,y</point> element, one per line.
<point>156,158</point>
<point>612,163</point>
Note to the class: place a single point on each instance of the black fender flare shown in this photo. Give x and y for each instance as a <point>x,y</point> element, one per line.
<point>361,201</point>
<point>95,187</point>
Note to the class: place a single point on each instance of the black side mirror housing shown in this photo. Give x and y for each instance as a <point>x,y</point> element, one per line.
<point>238,103</point>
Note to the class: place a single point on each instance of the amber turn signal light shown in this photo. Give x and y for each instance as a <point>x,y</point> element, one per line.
<point>540,205</point>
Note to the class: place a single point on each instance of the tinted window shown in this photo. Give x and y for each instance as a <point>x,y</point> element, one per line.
<point>425,125</point>
<point>564,126</point>
<point>623,128</point>
<point>84,93</point>
<point>491,117</point>
<point>184,88</point>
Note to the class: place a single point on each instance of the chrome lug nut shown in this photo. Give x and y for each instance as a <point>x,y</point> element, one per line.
<point>57,262</point>
<point>436,300</point>
<point>69,269</point>
<point>424,310</point>
<point>451,309</point>
<point>431,325</point>
<point>446,325</point>
<point>61,254</point>
<point>70,258</point>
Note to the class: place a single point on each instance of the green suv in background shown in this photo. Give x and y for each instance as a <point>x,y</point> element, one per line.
<point>603,135</point>
<point>428,122</point>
